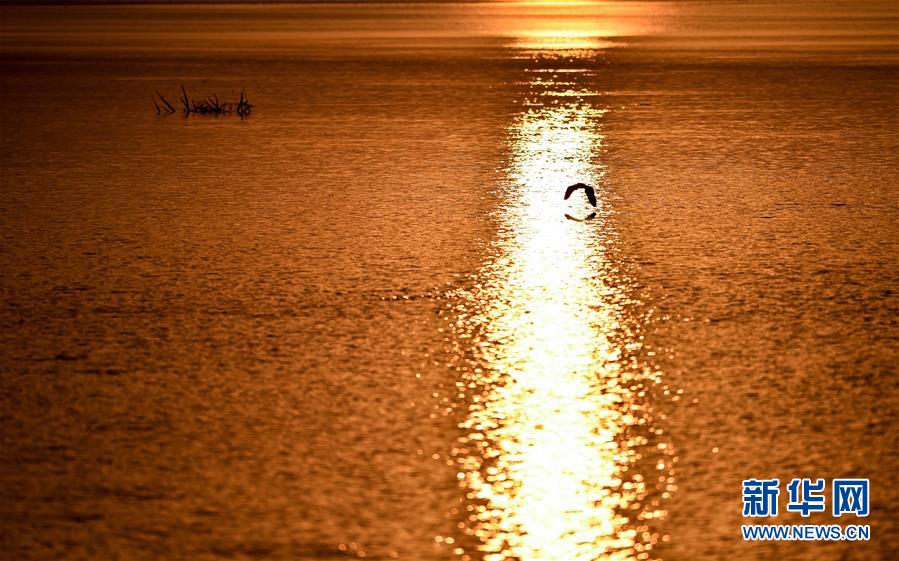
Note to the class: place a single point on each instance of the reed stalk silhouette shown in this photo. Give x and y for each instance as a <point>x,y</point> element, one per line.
<point>210,105</point>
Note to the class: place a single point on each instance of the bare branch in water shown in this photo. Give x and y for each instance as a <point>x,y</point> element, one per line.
<point>210,105</point>
<point>168,106</point>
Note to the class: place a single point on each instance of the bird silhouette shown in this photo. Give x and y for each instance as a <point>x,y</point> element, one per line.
<point>591,194</point>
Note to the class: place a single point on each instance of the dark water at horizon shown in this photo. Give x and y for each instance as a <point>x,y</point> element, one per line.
<point>359,323</point>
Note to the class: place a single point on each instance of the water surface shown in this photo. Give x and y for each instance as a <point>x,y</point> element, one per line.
<point>359,323</point>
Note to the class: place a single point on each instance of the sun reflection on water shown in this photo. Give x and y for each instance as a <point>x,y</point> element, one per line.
<point>560,457</point>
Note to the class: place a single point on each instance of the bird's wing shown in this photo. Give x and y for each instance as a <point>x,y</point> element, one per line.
<point>571,189</point>
<point>591,195</point>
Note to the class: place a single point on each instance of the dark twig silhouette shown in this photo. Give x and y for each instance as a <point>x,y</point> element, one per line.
<point>204,106</point>
<point>167,107</point>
